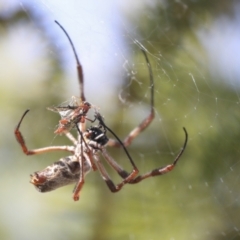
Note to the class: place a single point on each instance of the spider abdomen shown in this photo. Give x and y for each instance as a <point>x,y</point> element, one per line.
<point>63,172</point>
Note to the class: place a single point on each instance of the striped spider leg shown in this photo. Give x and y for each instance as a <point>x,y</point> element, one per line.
<point>146,121</point>
<point>74,112</point>
<point>155,172</point>
<point>143,125</point>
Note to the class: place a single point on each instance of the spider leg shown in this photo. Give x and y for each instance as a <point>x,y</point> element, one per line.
<point>145,123</point>
<point>88,156</point>
<point>21,141</point>
<point>79,66</point>
<point>80,182</point>
<point>78,187</point>
<point>85,159</point>
<point>134,133</point>
<point>162,170</point>
<point>120,171</point>
<point>113,188</point>
<point>114,164</point>
<point>71,138</point>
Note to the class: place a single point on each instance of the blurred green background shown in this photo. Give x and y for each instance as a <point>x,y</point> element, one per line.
<point>196,86</point>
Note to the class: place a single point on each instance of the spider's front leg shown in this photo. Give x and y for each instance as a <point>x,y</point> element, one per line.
<point>21,141</point>
<point>134,133</point>
<point>19,136</point>
<point>146,121</point>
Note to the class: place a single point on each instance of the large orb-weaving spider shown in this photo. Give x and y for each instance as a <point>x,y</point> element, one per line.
<point>90,144</point>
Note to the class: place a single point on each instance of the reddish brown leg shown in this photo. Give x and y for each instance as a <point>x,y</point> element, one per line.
<point>21,141</point>
<point>79,66</point>
<point>134,133</point>
<point>80,182</point>
<point>145,123</point>
<point>113,188</point>
<point>155,172</point>
<point>162,170</point>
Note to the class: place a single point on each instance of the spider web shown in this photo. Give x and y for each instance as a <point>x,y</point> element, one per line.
<point>194,57</point>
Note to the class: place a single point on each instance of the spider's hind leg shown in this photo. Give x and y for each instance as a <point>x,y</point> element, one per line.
<point>162,170</point>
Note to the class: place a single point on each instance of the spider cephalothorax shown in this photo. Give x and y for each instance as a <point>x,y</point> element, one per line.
<point>88,150</point>
<point>96,137</point>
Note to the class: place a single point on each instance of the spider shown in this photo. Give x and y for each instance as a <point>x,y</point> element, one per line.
<point>90,145</point>
<point>71,115</point>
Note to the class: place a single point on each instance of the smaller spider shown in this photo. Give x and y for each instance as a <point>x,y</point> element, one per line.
<point>71,115</point>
